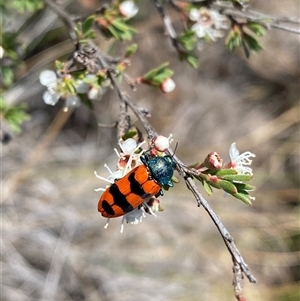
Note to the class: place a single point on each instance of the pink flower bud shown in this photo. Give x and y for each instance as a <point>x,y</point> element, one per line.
<point>213,161</point>
<point>168,85</point>
<point>161,143</point>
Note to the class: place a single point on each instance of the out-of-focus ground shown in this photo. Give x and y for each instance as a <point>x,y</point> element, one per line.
<point>54,246</point>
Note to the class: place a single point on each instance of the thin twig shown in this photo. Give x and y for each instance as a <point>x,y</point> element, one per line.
<point>238,262</point>
<point>168,26</point>
<point>250,15</point>
<point>66,19</point>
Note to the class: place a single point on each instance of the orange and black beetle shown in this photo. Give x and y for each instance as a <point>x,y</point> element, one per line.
<point>141,183</point>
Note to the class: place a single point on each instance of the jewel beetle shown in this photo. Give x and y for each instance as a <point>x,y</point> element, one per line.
<point>141,183</point>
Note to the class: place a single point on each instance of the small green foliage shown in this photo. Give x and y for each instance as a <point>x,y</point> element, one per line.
<point>10,59</point>
<point>120,30</point>
<point>256,28</point>
<point>85,31</point>
<point>246,37</point>
<point>207,188</point>
<point>14,115</point>
<point>229,181</point>
<point>130,50</point>
<point>7,76</point>
<point>244,197</point>
<point>113,24</point>
<point>227,186</point>
<point>192,60</point>
<point>88,24</point>
<point>156,76</point>
<point>187,40</point>
<point>131,133</point>
<point>60,66</point>
<point>224,172</point>
<point>237,177</point>
<point>86,101</point>
<point>250,44</point>
<point>23,6</point>
<point>233,39</point>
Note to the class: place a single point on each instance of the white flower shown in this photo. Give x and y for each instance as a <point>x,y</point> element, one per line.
<point>49,79</point>
<point>208,23</point>
<point>128,9</point>
<point>240,162</point>
<point>55,91</point>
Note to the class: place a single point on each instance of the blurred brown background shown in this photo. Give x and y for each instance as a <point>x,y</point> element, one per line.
<point>54,246</point>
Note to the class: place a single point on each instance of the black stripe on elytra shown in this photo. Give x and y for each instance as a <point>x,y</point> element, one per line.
<point>107,207</point>
<point>136,187</point>
<point>120,199</point>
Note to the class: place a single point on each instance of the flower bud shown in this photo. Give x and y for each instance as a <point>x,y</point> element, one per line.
<point>168,85</point>
<point>1,52</point>
<point>161,143</point>
<point>128,9</point>
<point>213,161</point>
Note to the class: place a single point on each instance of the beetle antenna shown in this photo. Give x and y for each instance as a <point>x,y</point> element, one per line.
<point>175,149</point>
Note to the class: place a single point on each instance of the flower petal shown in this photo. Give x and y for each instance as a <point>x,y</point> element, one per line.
<point>72,101</point>
<point>50,98</point>
<point>233,152</point>
<point>128,146</point>
<point>48,78</point>
<point>194,14</point>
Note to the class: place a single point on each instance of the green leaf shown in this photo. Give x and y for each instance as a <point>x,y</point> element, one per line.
<point>7,76</point>
<point>253,43</point>
<point>227,186</point>
<point>131,133</point>
<point>246,49</point>
<point>225,171</point>
<point>243,197</point>
<point>243,187</point>
<point>188,40</point>
<point>256,28</point>
<point>130,50</point>
<point>14,115</point>
<point>114,32</point>
<point>192,60</point>
<point>158,75</point>
<point>153,72</point>
<point>86,101</point>
<point>207,188</point>
<point>237,177</point>
<point>88,25</point>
